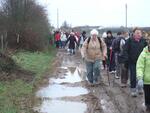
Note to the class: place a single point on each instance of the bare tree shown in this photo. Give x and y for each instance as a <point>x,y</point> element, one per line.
<point>25,24</point>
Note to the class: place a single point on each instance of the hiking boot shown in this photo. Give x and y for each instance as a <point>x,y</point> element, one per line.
<point>112,72</point>
<point>140,92</point>
<point>90,84</point>
<point>133,92</point>
<point>117,77</point>
<point>97,82</point>
<point>123,85</point>
<point>148,109</point>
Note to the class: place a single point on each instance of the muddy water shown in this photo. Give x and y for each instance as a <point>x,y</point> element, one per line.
<point>62,95</point>
<point>56,91</point>
<point>69,93</point>
<point>71,76</point>
<point>58,106</point>
<point>52,94</point>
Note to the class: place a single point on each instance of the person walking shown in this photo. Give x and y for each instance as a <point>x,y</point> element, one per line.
<point>143,73</point>
<point>104,36</point>
<point>110,53</point>
<point>82,38</point>
<point>72,41</point>
<point>132,50</point>
<point>63,39</point>
<point>93,51</point>
<point>116,51</point>
<point>57,39</point>
<point>124,71</point>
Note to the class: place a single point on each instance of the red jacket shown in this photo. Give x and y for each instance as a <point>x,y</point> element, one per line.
<point>57,37</point>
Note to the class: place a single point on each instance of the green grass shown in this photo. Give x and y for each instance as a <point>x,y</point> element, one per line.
<point>36,62</point>
<point>11,93</point>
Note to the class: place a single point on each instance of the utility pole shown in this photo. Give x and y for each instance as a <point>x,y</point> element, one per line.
<point>57,18</point>
<point>126,15</point>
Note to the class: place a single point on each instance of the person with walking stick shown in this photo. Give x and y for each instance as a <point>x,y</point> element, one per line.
<point>93,51</point>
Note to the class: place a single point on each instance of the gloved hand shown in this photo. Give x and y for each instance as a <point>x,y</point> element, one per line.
<point>140,83</point>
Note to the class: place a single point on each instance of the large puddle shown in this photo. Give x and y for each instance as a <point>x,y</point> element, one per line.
<point>58,106</point>
<point>72,76</point>
<point>52,94</point>
<point>56,91</point>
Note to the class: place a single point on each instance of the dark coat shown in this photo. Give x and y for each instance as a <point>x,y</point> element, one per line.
<point>116,44</point>
<point>72,40</point>
<point>109,41</point>
<point>132,49</point>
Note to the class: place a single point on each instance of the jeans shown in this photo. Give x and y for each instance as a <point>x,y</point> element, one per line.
<point>63,44</point>
<point>93,70</point>
<point>132,67</point>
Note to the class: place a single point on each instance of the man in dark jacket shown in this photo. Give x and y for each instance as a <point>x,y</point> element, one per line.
<point>110,54</point>
<point>131,52</point>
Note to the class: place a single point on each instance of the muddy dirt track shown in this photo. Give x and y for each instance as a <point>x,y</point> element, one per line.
<point>68,91</point>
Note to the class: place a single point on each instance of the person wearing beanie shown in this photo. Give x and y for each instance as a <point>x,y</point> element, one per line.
<point>93,51</point>
<point>143,72</point>
<point>104,36</point>
<point>110,54</point>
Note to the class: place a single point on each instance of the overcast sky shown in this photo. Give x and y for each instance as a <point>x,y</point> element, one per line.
<point>98,12</point>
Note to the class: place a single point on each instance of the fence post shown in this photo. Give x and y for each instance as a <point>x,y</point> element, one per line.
<point>18,38</point>
<point>2,43</point>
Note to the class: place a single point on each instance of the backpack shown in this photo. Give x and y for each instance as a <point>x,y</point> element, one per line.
<point>100,42</point>
<point>116,45</point>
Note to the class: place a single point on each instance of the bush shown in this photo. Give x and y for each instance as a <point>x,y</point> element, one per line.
<point>6,63</point>
<point>25,23</point>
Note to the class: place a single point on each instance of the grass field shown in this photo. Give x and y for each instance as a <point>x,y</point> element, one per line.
<point>14,94</point>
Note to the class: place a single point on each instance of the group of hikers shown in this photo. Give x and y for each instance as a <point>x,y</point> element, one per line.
<point>72,40</point>
<point>126,55</point>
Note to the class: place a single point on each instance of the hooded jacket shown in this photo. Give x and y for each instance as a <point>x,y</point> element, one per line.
<point>143,66</point>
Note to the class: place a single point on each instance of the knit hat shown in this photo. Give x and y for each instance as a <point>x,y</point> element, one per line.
<point>84,32</point>
<point>94,32</point>
<point>109,32</point>
<point>104,35</point>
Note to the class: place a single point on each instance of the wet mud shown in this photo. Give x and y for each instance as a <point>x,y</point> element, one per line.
<point>69,92</point>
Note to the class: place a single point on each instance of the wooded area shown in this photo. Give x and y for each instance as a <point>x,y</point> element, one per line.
<point>23,24</point>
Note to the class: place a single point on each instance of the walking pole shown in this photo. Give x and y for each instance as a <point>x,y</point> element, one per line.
<point>110,56</point>
<point>107,72</point>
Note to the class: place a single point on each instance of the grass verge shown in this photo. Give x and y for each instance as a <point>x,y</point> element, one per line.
<point>15,95</point>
